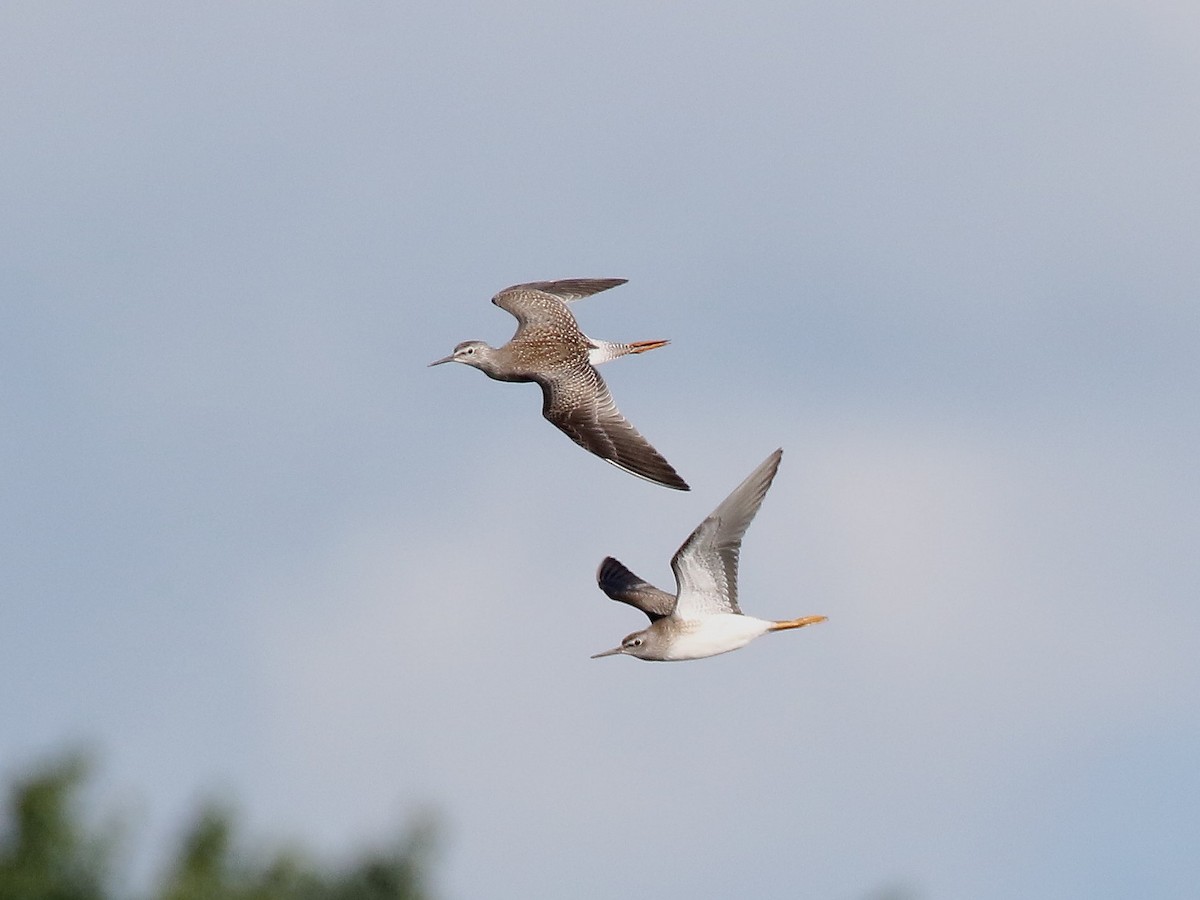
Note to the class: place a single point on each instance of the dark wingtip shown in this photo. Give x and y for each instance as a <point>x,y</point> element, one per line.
<point>663,476</point>
<point>671,480</point>
<point>668,479</point>
<point>607,565</point>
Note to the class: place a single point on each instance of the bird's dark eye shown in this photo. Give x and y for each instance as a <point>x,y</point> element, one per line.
<point>470,350</point>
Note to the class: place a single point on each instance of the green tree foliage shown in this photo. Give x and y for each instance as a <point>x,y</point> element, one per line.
<point>47,852</point>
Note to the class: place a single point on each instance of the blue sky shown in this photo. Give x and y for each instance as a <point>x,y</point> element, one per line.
<point>945,256</point>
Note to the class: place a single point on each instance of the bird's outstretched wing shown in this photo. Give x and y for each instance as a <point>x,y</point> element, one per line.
<point>706,566</point>
<point>568,290</point>
<point>622,585</point>
<point>577,401</point>
<point>543,304</point>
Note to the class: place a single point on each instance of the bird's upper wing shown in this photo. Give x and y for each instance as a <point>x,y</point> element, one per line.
<point>544,303</point>
<point>706,566</point>
<point>540,316</point>
<point>568,289</point>
<point>578,402</point>
<point>622,585</point>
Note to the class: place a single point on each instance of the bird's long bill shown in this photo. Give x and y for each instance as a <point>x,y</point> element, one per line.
<point>444,359</point>
<point>613,652</point>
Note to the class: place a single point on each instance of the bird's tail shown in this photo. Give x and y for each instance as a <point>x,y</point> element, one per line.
<point>603,351</point>
<point>795,623</point>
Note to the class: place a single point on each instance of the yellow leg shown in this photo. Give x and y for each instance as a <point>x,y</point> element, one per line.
<point>796,623</point>
<point>643,346</point>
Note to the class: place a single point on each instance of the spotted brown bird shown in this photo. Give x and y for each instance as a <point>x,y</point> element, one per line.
<point>549,348</point>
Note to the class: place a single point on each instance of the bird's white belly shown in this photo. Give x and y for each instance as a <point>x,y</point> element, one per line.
<point>698,638</point>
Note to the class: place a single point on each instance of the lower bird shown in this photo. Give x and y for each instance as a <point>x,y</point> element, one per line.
<point>549,348</point>
<point>702,618</point>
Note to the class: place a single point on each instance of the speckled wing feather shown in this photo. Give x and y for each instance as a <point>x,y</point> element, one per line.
<point>625,587</point>
<point>543,304</point>
<point>706,566</point>
<point>540,316</point>
<point>578,402</point>
<point>567,290</point>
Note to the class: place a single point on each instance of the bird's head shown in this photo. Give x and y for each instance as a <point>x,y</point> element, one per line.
<point>470,353</point>
<point>641,644</point>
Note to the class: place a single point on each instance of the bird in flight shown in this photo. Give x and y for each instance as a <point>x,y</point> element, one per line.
<point>702,618</point>
<point>549,348</point>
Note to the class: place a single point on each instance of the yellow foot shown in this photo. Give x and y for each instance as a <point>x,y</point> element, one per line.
<point>643,346</point>
<point>796,623</point>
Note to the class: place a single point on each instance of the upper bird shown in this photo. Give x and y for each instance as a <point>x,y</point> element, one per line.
<point>703,618</point>
<point>549,348</point>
